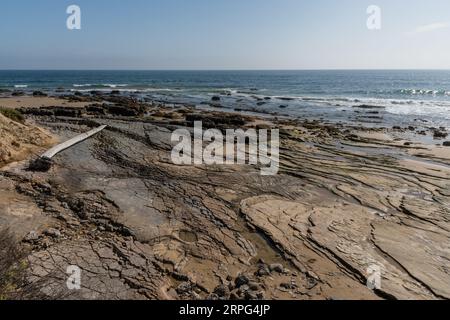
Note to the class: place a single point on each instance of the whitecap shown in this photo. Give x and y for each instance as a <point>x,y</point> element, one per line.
<point>113,85</point>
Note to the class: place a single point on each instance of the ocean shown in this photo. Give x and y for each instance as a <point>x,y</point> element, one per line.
<point>368,98</point>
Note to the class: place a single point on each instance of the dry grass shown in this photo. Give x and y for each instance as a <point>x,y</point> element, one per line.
<point>13,273</point>
<point>12,114</point>
<point>12,265</point>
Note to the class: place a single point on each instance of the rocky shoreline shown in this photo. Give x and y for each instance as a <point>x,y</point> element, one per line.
<point>139,227</point>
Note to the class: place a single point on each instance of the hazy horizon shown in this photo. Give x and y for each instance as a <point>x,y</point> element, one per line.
<point>231,70</point>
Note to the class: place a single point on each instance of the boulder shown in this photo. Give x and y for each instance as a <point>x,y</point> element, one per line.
<point>184,288</point>
<point>263,270</point>
<point>241,280</point>
<point>222,291</point>
<point>277,267</point>
<point>52,233</point>
<point>122,111</point>
<point>31,236</point>
<point>67,112</point>
<point>39,94</point>
<point>437,134</point>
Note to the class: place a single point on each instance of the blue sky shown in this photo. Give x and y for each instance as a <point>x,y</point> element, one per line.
<point>225,34</point>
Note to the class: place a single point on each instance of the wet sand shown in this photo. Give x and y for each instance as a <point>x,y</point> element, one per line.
<point>346,199</point>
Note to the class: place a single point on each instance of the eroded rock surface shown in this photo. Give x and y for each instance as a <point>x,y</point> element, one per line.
<point>140,227</point>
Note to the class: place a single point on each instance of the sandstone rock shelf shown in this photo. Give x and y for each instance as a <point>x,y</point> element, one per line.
<point>141,227</point>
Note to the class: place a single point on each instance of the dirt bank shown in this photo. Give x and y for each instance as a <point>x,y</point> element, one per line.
<point>19,141</point>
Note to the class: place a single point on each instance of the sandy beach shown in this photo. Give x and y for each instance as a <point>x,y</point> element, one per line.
<point>347,199</point>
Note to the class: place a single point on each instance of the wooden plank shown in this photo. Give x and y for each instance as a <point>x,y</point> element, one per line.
<point>44,162</point>
<point>70,143</point>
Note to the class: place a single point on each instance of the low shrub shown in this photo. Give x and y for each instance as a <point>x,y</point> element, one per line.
<point>12,114</point>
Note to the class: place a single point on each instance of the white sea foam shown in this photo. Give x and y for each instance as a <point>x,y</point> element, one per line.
<point>161,90</point>
<point>108,85</point>
<point>17,86</point>
<point>441,110</point>
<point>106,90</point>
<point>405,107</point>
<point>128,90</point>
<point>394,106</point>
<point>113,85</point>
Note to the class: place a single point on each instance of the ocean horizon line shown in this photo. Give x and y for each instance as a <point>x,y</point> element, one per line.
<point>229,70</point>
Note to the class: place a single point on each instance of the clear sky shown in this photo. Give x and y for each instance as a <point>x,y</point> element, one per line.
<point>224,34</point>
